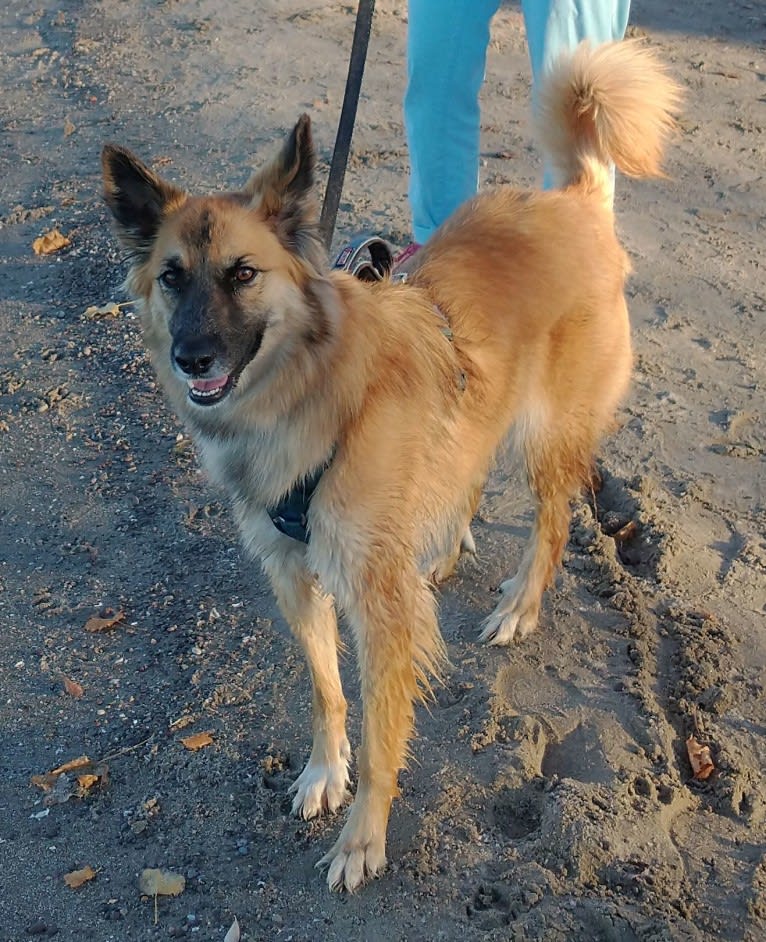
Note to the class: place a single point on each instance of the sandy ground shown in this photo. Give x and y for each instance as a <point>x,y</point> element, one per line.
<point>551,796</point>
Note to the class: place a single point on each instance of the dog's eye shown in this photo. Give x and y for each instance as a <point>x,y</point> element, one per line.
<point>244,274</point>
<point>170,278</point>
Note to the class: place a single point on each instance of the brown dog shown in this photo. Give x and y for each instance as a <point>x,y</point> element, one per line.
<point>365,418</point>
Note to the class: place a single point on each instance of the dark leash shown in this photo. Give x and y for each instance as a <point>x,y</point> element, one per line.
<point>340,153</point>
<point>367,257</point>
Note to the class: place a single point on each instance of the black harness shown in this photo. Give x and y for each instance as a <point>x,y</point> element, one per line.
<point>290,515</point>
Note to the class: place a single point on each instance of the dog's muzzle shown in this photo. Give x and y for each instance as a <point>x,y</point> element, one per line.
<point>195,357</point>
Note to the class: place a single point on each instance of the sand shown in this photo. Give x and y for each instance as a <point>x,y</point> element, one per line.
<point>550,796</point>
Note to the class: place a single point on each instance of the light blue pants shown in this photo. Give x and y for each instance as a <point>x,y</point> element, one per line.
<point>446,57</point>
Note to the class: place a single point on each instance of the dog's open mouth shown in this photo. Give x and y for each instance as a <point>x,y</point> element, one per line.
<point>206,392</point>
<point>209,392</point>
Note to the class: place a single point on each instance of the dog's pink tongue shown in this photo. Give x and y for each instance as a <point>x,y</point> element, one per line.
<point>208,385</point>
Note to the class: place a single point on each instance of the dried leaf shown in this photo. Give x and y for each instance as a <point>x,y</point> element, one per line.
<point>73,764</point>
<point>52,241</point>
<point>95,312</point>
<point>626,533</point>
<point>185,720</point>
<point>161,883</point>
<point>700,759</point>
<point>76,878</point>
<point>60,788</point>
<point>46,782</point>
<point>97,774</point>
<point>104,622</point>
<point>197,741</point>
<point>69,128</point>
<point>72,687</point>
<point>81,762</point>
<point>233,934</point>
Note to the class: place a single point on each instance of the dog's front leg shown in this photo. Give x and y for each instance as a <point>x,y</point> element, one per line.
<point>310,613</point>
<point>398,644</point>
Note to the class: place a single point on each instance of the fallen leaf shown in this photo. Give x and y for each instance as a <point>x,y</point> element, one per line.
<point>49,779</point>
<point>76,878</point>
<point>72,687</point>
<point>233,934</point>
<point>700,759</point>
<point>94,312</point>
<point>185,720</point>
<point>52,241</point>
<point>60,788</point>
<point>97,774</point>
<point>72,766</point>
<point>626,533</point>
<point>197,741</point>
<point>161,883</point>
<point>69,128</point>
<point>104,622</point>
<point>79,763</point>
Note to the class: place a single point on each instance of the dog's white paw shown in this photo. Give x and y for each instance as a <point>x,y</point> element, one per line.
<point>322,786</point>
<point>357,855</point>
<point>467,542</point>
<point>499,629</point>
<point>515,615</point>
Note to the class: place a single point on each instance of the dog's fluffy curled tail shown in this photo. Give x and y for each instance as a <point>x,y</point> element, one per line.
<point>604,105</point>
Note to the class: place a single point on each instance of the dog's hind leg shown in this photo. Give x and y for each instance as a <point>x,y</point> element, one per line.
<point>398,642</point>
<point>310,613</point>
<point>444,566</point>
<point>558,465</point>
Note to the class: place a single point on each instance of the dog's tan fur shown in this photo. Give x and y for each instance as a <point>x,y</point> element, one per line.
<point>408,414</point>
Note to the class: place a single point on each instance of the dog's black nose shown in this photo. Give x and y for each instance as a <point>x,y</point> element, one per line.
<point>194,355</point>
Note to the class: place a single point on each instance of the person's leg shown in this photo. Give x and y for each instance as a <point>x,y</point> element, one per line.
<point>446,56</point>
<point>554,26</point>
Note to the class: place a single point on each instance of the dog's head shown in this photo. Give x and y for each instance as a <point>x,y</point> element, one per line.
<point>229,283</point>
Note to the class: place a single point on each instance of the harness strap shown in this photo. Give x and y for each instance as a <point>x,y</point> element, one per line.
<point>290,515</point>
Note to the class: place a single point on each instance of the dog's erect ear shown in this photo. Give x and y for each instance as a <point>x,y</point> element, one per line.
<point>137,198</point>
<point>283,191</point>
